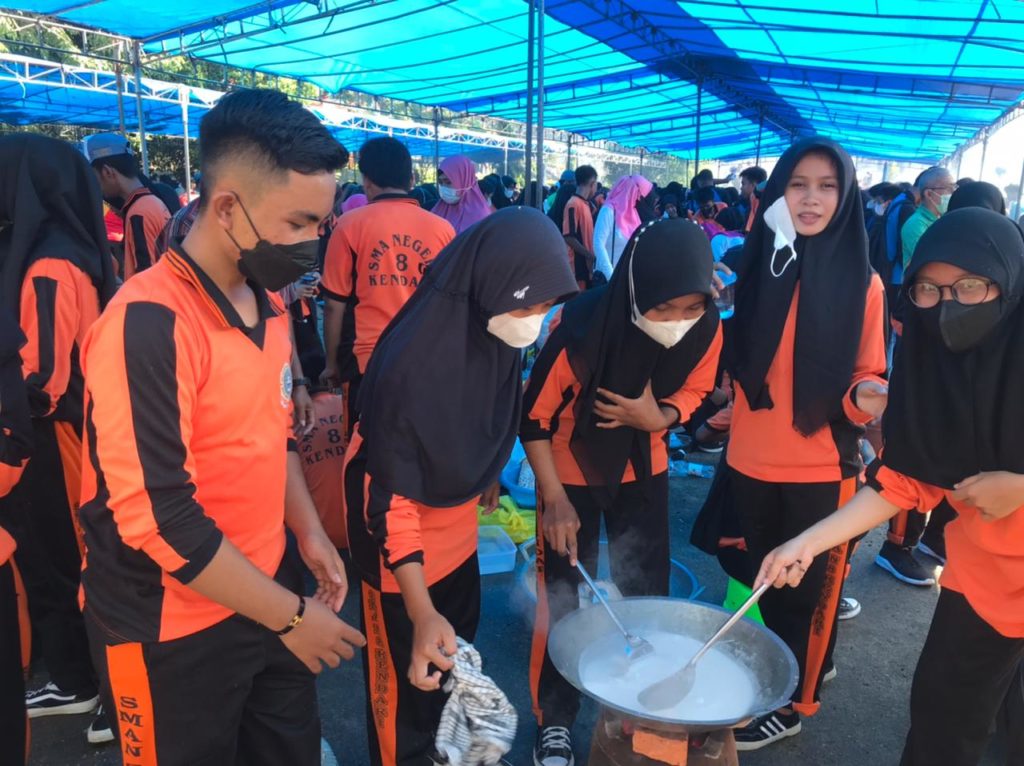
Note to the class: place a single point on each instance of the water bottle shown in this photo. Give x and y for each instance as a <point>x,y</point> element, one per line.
<point>726,300</point>
<point>684,468</point>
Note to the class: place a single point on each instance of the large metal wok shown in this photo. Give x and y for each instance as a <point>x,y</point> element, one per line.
<point>769,660</point>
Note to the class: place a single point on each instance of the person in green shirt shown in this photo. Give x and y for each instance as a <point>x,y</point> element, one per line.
<point>934,188</point>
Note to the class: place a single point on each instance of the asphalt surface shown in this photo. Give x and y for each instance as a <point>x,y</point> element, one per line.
<point>863,719</point>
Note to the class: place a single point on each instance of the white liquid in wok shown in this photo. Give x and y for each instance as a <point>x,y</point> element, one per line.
<point>722,691</point>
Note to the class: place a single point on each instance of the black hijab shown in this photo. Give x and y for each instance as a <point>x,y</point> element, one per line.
<point>441,399</point>
<point>670,258</point>
<point>833,271</point>
<point>978,194</point>
<point>952,415</point>
<point>51,201</point>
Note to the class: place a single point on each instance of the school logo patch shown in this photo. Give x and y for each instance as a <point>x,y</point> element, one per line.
<point>286,385</point>
<point>520,294</point>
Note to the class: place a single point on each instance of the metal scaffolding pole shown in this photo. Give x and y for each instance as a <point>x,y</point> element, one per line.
<point>137,66</point>
<point>183,94</point>
<point>700,106</point>
<point>568,152</point>
<point>641,161</point>
<point>120,89</point>
<point>528,157</point>
<point>437,141</point>
<point>760,132</point>
<point>540,103</point>
<point>984,151</point>
<point>1020,193</point>
<point>506,156</point>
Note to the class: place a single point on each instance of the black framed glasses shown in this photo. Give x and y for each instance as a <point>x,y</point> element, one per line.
<point>969,291</point>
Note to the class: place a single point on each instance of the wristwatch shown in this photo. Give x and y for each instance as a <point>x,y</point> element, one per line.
<point>300,382</point>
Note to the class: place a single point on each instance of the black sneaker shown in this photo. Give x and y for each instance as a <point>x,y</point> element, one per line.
<point>99,731</point>
<point>554,747</point>
<point>933,546</point>
<point>52,700</point>
<point>848,608</point>
<point>901,564</point>
<point>767,729</point>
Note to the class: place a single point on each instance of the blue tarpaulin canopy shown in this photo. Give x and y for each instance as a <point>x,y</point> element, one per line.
<point>33,91</point>
<point>911,80</point>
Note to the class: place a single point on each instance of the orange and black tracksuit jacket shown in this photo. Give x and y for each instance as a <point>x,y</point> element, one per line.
<point>638,511</point>
<point>187,422</point>
<point>15,630</point>
<point>145,217</point>
<point>386,531</point>
<point>377,255</point>
<point>784,482</point>
<point>188,427</point>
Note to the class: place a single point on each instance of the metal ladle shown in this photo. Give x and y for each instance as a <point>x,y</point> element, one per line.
<point>671,690</point>
<point>636,647</point>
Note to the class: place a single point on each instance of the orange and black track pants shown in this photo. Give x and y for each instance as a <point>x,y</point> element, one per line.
<point>229,695</point>
<point>906,528</point>
<point>14,635</point>
<point>966,671</point>
<point>49,553</point>
<point>401,719</point>
<point>804,617</point>
<point>638,546</point>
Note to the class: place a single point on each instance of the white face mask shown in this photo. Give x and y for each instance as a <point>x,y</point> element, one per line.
<point>780,220</point>
<point>667,334</point>
<point>510,193</point>
<point>944,203</point>
<point>517,332</point>
<point>449,195</point>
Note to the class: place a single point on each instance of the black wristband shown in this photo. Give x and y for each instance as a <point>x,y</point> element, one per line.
<point>296,620</point>
<point>306,382</point>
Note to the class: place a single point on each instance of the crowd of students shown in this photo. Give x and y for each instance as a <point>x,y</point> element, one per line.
<point>193,477</point>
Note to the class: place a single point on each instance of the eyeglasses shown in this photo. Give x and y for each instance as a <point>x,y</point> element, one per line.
<point>948,188</point>
<point>969,291</point>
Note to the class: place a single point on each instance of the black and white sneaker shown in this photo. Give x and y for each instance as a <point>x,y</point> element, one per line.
<point>52,700</point>
<point>554,747</point>
<point>99,731</point>
<point>767,729</point>
<point>901,564</point>
<point>848,608</point>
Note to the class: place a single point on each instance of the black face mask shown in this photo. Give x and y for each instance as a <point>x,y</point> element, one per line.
<point>271,266</point>
<point>960,327</point>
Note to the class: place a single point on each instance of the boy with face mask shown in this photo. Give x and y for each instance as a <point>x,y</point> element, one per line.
<point>190,600</point>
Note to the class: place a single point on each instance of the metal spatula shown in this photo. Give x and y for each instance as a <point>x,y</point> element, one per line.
<point>673,689</point>
<point>636,647</point>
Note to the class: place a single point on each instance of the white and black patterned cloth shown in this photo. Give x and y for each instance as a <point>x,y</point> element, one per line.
<point>478,722</point>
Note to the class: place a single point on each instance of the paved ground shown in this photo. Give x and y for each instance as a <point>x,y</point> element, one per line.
<point>863,720</point>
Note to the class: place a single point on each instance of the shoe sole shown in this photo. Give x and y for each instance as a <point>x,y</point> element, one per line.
<point>850,615</point>
<point>710,450</point>
<point>572,761</point>
<point>830,676</point>
<point>931,554</point>
<point>74,708</point>
<point>101,737</point>
<point>746,747</point>
<point>884,564</point>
